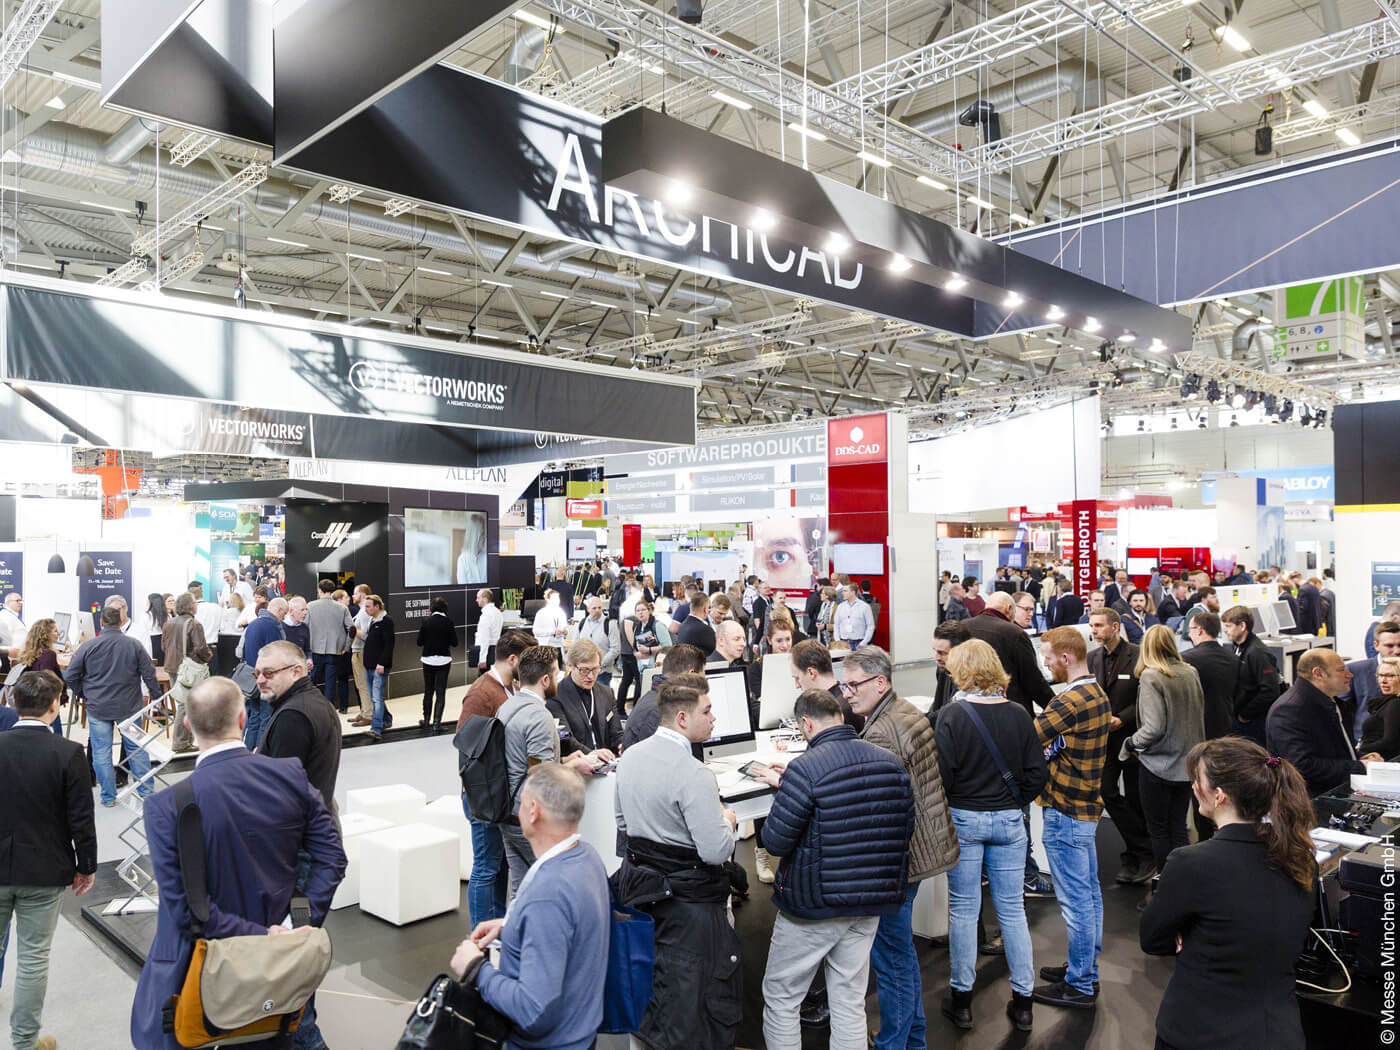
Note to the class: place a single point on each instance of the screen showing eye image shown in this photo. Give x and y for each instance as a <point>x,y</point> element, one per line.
<point>789,553</point>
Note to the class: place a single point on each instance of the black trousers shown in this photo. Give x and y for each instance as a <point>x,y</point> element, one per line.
<point>631,675</point>
<point>1124,805</point>
<point>434,691</point>
<point>1164,804</point>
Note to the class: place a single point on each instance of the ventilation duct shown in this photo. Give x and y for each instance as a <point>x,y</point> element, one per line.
<point>127,142</point>
<point>1080,80</point>
<point>525,54</point>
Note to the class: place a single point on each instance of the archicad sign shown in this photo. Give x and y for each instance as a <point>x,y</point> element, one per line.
<point>857,439</point>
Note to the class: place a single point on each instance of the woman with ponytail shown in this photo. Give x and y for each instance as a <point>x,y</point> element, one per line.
<point>1236,907</point>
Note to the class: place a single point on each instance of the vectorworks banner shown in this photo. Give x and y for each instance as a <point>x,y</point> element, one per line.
<point>206,354</point>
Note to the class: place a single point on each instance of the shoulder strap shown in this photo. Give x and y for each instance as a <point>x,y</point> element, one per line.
<point>190,840</point>
<point>1011,785</point>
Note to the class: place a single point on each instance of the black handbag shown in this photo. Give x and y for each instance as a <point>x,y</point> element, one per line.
<point>451,1015</point>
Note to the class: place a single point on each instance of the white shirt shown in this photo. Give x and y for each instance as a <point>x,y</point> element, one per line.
<point>227,745</point>
<point>488,628</point>
<point>362,622</point>
<point>12,629</point>
<point>551,626</point>
<point>628,608</point>
<point>242,587</point>
<point>211,618</point>
<point>228,622</point>
<point>32,723</point>
<point>853,621</point>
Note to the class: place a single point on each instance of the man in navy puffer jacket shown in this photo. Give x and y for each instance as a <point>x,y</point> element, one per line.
<point>840,823</point>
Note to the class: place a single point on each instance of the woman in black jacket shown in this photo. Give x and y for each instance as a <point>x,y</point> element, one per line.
<point>1380,733</point>
<point>437,635</point>
<point>1235,909</point>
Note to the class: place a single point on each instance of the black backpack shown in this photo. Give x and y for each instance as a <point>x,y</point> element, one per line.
<point>481,763</point>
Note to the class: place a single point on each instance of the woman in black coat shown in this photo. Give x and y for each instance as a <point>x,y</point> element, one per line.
<point>436,636</point>
<point>1235,909</point>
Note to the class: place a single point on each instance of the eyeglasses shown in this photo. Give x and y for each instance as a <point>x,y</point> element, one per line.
<point>587,672</point>
<point>851,687</point>
<point>259,673</point>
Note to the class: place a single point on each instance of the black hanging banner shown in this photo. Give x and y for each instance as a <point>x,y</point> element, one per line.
<point>113,576</point>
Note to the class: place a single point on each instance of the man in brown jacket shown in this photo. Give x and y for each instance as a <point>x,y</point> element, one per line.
<point>490,879</point>
<point>897,726</point>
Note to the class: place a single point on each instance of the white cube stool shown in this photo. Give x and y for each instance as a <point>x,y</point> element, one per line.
<point>930,916</point>
<point>396,803</point>
<point>409,873</point>
<point>353,827</point>
<point>446,813</point>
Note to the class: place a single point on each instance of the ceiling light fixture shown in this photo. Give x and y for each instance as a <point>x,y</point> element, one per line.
<point>290,244</point>
<point>1012,301</point>
<point>1127,337</point>
<point>899,264</point>
<point>441,273</point>
<point>730,100</point>
<point>1091,324</point>
<point>837,243</point>
<point>1157,346</point>
<point>871,158</point>
<point>1348,136</point>
<point>1054,313</point>
<point>1020,220</point>
<point>956,283</point>
<point>56,103</point>
<point>1230,37</point>
<point>802,129</point>
<point>532,19</point>
<point>679,192</point>
<point>932,182</point>
<point>978,202</point>
<point>763,220</point>
<point>1316,108</point>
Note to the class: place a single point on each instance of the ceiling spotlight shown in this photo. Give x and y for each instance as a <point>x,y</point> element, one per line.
<point>956,283</point>
<point>679,192</point>
<point>1054,313</point>
<point>1237,399</point>
<point>1012,301</point>
<point>1091,324</point>
<point>899,263</point>
<point>1213,391</point>
<point>1251,398</point>
<point>1320,420</point>
<point>1127,337</point>
<point>1157,346</point>
<point>1307,417</point>
<point>1285,413</point>
<point>837,243</point>
<point>1270,404</point>
<point>763,220</point>
<point>1201,422</point>
<point>1234,420</point>
<point>1142,426</point>
<point>1173,422</point>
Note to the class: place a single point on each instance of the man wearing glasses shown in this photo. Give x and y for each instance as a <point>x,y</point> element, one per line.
<point>586,707</point>
<point>1023,610</point>
<point>897,726</point>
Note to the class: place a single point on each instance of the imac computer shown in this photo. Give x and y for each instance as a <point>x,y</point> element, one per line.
<point>779,695</point>
<point>729,699</point>
<point>63,622</point>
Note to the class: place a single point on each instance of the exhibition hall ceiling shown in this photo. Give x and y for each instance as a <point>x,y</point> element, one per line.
<point>1071,106</point>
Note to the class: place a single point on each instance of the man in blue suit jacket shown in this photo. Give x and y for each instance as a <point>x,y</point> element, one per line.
<point>1364,684</point>
<point>1137,619</point>
<point>258,814</point>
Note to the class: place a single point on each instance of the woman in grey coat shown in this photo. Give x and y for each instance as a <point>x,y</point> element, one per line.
<point>1171,721</point>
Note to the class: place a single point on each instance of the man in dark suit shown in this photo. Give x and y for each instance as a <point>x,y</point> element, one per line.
<point>1013,647</point>
<point>1219,671</point>
<point>1309,612</point>
<point>50,840</point>
<point>1364,684</point>
<point>695,629</point>
<point>1305,724</point>
<point>257,814</point>
<point>1173,604</point>
<point>1065,609</point>
<point>947,636</point>
<point>586,708</point>
<point>1115,594</point>
<point>1113,664</point>
<point>1259,683</point>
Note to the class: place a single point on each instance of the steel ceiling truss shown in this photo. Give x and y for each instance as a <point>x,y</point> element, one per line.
<point>1253,379</point>
<point>1251,77</point>
<point>193,214</point>
<point>1305,125</point>
<point>22,33</point>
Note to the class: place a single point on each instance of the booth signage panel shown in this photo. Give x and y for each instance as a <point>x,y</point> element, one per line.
<point>726,479</point>
<point>102,343</point>
<point>858,439</point>
<point>755,500</point>
<point>1084,518</point>
<point>809,497</point>
<point>11,572</point>
<point>642,505</point>
<point>1385,585</point>
<point>552,484</point>
<point>802,473</point>
<point>747,450</point>
<point>583,509</point>
<point>642,484</point>
<point>1300,484</point>
<point>113,576</point>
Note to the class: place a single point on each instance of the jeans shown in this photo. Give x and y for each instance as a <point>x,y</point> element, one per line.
<point>378,684</point>
<point>1032,868</point>
<point>1074,865</point>
<point>490,879</point>
<point>259,714</point>
<point>35,911</point>
<point>631,676</point>
<point>799,948</point>
<point>995,838</point>
<point>896,966</point>
<point>434,691</point>
<point>1164,804</point>
<point>100,734</point>
<point>519,856</point>
<point>324,669</point>
<point>307,1035</point>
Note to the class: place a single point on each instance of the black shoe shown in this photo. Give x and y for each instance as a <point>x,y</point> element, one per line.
<point>1019,1010</point>
<point>1061,994</point>
<point>814,1012</point>
<point>1127,873</point>
<point>992,946</point>
<point>958,1008</point>
<point>422,723</point>
<point>1146,872</point>
<point>1056,975</point>
<point>1039,888</point>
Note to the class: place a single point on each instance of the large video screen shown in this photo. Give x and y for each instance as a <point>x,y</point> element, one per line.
<point>443,547</point>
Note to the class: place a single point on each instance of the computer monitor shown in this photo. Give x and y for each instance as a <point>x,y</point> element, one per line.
<point>779,694</point>
<point>729,699</point>
<point>63,621</point>
<point>1283,612</point>
<point>85,630</point>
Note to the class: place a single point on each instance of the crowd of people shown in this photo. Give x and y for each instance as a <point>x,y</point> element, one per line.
<point>1156,727</point>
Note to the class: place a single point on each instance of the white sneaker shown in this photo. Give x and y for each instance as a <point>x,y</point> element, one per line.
<point>764,863</point>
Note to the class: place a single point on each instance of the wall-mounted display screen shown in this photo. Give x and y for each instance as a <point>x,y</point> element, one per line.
<point>443,547</point>
<point>859,559</point>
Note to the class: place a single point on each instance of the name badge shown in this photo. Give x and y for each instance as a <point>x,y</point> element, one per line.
<point>1124,677</point>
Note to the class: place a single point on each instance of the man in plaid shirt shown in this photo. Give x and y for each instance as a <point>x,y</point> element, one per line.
<point>1074,730</point>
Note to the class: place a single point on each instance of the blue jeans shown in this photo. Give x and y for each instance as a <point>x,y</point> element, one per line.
<point>997,839</point>
<point>100,734</point>
<point>307,1035</point>
<point>896,966</point>
<point>1074,865</point>
<point>490,878</point>
<point>259,714</point>
<point>378,685</point>
<point>325,667</point>
<point>1032,868</point>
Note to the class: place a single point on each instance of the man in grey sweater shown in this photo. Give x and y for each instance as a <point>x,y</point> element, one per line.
<point>678,837</point>
<point>531,737</point>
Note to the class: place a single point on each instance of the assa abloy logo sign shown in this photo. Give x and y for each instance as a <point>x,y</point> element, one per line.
<point>860,439</point>
<point>379,377</point>
<point>336,533</point>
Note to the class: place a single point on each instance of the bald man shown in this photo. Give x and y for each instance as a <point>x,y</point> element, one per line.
<point>1305,724</point>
